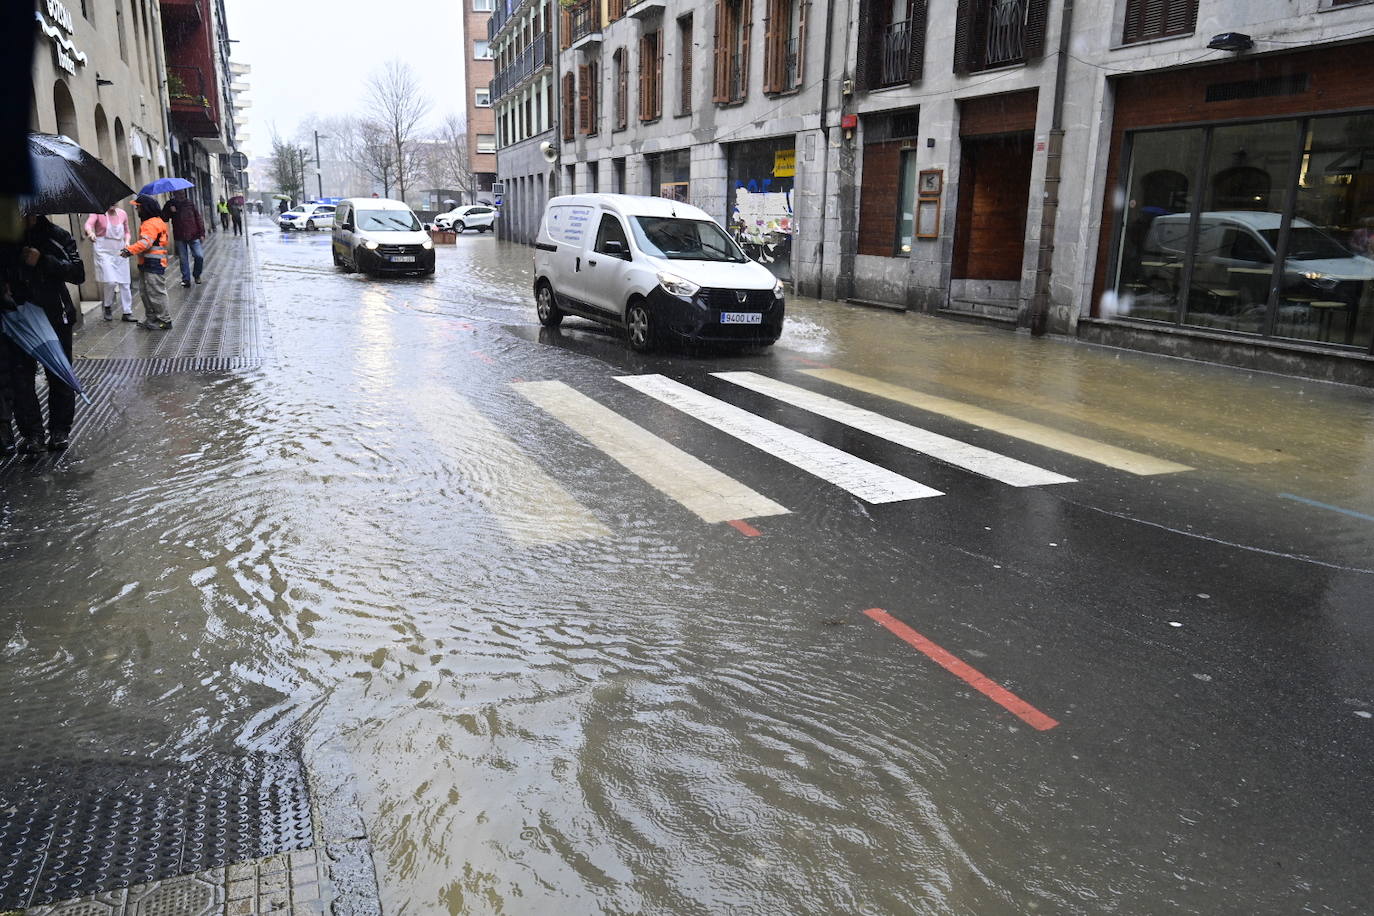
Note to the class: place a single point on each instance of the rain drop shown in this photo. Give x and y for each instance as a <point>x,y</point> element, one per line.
<point>1364,714</point>
<point>1175,623</point>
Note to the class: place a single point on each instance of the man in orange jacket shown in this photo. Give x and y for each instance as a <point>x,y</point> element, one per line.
<point>151,249</point>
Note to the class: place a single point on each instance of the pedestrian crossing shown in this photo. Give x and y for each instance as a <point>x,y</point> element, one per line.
<point>533,508</point>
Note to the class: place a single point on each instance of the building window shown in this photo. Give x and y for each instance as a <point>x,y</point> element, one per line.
<point>593,178</point>
<point>481,50</point>
<point>589,90</point>
<point>486,143</point>
<point>1149,19</point>
<point>998,33</point>
<point>784,45</point>
<point>651,76</point>
<point>481,98</point>
<point>482,6</point>
<point>569,105</point>
<point>684,65</point>
<point>615,9</point>
<point>621,72</point>
<point>734,24</point>
<point>1223,229</point>
<point>892,43</point>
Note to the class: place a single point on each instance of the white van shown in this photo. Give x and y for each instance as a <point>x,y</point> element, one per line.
<point>377,235</point>
<point>654,266</point>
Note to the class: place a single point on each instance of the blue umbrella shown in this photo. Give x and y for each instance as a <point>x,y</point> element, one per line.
<point>163,185</point>
<point>28,327</point>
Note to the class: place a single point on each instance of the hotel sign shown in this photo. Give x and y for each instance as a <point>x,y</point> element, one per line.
<point>57,25</point>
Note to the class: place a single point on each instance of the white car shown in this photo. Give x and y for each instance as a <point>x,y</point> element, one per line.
<point>308,216</point>
<point>475,216</point>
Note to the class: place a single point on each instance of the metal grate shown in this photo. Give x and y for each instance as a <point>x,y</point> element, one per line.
<point>70,828</point>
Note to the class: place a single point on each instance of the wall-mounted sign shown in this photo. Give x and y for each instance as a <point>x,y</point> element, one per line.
<point>57,25</point>
<point>784,163</point>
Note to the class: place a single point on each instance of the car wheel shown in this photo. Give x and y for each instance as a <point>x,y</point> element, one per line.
<point>459,227</point>
<point>640,325</point>
<point>338,261</point>
<point>550,315</point>
<point>310,225</point>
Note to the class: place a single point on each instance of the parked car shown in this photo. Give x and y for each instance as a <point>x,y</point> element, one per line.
<point>376,235</point>
<point>659,268</point>
<point>308,216</point>
<point>475,216</point>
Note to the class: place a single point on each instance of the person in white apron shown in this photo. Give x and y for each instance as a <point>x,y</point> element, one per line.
<point>109,233</point>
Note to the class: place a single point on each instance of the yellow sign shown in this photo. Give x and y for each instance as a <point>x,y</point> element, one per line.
<point>785,163</point>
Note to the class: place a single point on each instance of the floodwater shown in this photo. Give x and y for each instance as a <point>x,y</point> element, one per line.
<point>553,690</point>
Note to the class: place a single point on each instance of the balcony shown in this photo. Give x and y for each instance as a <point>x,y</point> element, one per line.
<point>586,25</point>
<point>644,9</point>
<point>1006,33</point>
<point>191,106</point>
<point>183,11</point>
<point>534,58</point>
<point>895,53</point>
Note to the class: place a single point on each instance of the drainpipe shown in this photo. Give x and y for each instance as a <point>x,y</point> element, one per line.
<point>825,139</point>
<point>1040,300</point>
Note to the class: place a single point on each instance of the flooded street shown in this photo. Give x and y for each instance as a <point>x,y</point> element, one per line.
<point>1141,681</point>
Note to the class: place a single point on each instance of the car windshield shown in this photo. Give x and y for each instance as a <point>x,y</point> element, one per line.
<point>1306,243</point>
<point>684,239</point>
<point>388,221</point>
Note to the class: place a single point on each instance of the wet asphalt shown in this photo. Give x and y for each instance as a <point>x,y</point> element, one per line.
<point>1177,675</point>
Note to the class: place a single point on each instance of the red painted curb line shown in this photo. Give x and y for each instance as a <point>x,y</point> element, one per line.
<point>744,528</point>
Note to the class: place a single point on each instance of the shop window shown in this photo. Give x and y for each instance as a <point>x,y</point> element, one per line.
<point>651,76</point>
<point>1150,19</point>
<point>784,45</point>
<point>998,33</point>
<point>734,24</point>
<point>887,192</point>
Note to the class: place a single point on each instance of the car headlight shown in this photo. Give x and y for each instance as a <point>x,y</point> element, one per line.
<point>1320,280</point>
<point>370,245</point>
<point>778,290</point>
<point>427,244</point>
<point>677,286</point>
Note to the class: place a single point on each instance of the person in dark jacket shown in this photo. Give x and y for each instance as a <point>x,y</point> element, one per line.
<point>189,230</point>
<point>38,270</point>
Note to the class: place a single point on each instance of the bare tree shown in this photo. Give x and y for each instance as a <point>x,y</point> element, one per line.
<point>377,156</point>
<point>397,109</point>
<point>288,167</point>
<point>450,165</point>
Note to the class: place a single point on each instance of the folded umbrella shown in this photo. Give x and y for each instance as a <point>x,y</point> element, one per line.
<point>164,185</point>
<point>67,179</point>
<point>28,327</point>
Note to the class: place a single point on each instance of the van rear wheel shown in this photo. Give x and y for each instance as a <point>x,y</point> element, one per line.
<point>550,315</point>
<point>640,325</point>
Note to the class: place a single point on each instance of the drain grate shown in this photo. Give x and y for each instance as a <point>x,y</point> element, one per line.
<point>69,829</point>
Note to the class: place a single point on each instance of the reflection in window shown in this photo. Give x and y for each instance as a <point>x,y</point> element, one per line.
<point>1242,205</point>
<point>1155,234</point>
<point>1328,278</point>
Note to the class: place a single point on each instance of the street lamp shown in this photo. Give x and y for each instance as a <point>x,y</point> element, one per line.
<point>319,179</point>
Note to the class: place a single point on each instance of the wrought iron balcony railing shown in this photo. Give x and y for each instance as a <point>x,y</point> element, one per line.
<point>896,53</point>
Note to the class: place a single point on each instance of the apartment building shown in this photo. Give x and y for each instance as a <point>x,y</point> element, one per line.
<point>1185,176</point>
<point>478,70</point>
<point>523,96</point>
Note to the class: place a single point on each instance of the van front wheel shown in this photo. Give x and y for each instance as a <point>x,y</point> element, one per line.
<point>550,315</point>
<point>640,326</point>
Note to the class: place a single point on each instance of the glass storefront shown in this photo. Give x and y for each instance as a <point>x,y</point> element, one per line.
<point>1264,228</point>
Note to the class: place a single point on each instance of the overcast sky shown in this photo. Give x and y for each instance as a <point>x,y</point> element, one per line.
<point>314,56</point>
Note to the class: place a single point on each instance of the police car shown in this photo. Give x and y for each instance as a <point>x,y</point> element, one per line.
<point>308,216</point>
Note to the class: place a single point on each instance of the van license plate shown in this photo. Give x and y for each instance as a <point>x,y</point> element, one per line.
<point>741,317</point>
<point>403,258</point>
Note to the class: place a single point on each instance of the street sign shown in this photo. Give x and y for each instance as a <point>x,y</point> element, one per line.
<point>239,160</point>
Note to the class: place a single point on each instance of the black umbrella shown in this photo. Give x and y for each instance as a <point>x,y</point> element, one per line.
<point>67,179</point>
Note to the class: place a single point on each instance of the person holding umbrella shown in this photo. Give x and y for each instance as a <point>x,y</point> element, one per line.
<point>151,249</point>
<point>189,229</point>
<point>236,214</point>
<point>37,270</point>
<point>108,233</point>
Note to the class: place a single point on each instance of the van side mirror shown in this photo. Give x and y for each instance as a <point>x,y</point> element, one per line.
<point>616,248</point>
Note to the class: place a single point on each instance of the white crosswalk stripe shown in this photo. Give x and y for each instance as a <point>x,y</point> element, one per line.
<point>951,451</point>
<point>1080,446</point>
<point>696,485</point>
<point>864,479</point>
<point>528,504</point>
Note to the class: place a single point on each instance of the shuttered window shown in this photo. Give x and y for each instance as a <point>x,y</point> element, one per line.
<point>734,27</point>
<point>784,44</point>
<point>1149,19</point>
<point>569,105</point>
<point>684,58</point>
<point>593,97</point>
<point>622,90</point>
<point>999,33</point>
<point>651,76</point>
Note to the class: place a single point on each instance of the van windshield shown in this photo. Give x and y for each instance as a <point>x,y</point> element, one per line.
<point>684,239</point>
<point>388,221</point>
<point>1307,243</point>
